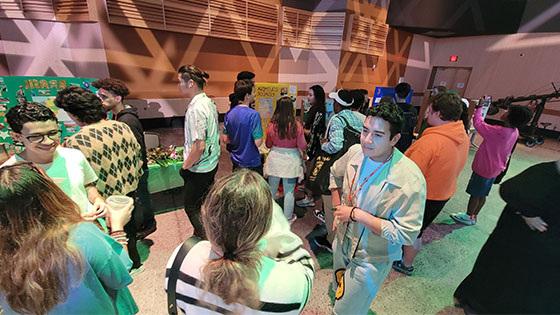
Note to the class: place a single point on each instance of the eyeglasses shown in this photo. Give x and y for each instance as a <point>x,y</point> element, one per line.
<point>39,138</point>
<point>101,96</point>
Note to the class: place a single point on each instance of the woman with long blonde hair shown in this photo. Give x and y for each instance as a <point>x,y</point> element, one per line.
<point>52,261</point>
<point>230,272</point>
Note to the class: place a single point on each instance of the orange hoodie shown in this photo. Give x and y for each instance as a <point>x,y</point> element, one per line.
<point>441,154</point>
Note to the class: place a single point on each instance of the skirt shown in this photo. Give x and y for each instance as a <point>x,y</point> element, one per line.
<point>284,163</point>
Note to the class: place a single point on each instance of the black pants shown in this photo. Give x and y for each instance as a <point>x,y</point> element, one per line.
<point>130,230</point>
<point>258,169</point>
<point>433,208</point>
<point>145,215</point>
<point>196,188</point>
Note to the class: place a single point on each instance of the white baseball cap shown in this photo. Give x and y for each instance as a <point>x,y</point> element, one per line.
<point>334,96</point>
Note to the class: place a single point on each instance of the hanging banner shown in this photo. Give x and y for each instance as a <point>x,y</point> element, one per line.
<point>266,95</point>
<point>15,90</point>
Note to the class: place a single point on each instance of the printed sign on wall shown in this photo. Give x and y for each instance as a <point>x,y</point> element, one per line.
<point>15,90</point>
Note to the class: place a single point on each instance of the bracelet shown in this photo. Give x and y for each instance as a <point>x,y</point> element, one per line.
<point>117,232</point>
<point>352,214</point>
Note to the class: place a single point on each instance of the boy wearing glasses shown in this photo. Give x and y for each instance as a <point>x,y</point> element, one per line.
<point>36,127</point>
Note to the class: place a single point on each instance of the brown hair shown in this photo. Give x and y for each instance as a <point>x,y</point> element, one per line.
<point>114,86</point>
<point>35,217</point>
<point>242,88</point>
<point>284,119</point>
<point>194,73</point>
<point>448,104</point>
<point>236,215</point>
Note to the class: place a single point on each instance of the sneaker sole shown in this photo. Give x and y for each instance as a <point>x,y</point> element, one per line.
<point>462,222</point>
<point>403,271</point>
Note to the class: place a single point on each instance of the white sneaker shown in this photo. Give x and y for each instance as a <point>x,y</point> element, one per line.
<point>463,218</point>
<point>292,219</point>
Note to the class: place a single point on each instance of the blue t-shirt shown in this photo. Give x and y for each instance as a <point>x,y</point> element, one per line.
<point>242,124</point>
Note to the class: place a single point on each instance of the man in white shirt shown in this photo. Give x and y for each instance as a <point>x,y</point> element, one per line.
<point>202,145</point>
<point>379,197</point>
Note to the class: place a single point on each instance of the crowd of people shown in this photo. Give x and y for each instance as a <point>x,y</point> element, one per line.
<point>374,184</point>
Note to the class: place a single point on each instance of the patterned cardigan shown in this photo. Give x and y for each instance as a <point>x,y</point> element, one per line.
<point>114,154</point>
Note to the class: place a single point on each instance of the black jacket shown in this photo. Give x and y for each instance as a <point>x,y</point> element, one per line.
<point>129,116</point>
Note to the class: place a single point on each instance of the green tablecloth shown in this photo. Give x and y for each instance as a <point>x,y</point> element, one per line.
<point>164,178</point>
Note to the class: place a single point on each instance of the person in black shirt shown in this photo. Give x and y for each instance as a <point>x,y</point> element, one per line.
<point>112,93</point>
<point>402,90</point>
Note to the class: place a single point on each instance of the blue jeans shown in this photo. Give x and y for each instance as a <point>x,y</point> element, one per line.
<point>289,185</point>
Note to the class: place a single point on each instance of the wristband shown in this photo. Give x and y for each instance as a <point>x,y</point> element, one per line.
<point>352,214</point>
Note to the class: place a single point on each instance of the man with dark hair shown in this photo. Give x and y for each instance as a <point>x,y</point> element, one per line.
<point>246,75</point>
<point>243,132</point>
<point>402,90</point>
<point>36,127</point>
<point>378,196</point>
<point>491,158</point>
<point>243,75</point>
<point>110,148</point>
<point>441,154</point>
<point>112,93</point>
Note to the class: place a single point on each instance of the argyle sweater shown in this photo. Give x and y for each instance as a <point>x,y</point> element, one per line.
<point>114,154</point>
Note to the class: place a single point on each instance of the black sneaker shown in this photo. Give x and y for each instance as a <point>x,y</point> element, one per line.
<point>400,267</point>
<point>140,235</point>
<point>323,243</point>
<point>319,214</point>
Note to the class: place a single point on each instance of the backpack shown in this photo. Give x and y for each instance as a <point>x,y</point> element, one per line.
<point>319,176</point>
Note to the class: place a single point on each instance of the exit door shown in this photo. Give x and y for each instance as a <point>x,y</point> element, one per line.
<point>453,78</point>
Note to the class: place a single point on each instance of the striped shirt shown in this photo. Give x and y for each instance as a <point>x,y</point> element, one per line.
<point>335,130</point>
<point>284,283</point>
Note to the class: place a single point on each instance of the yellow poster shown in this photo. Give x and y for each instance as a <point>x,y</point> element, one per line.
<point>266,95</point>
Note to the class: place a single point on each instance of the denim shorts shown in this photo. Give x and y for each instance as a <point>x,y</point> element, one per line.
<point>479,186</point>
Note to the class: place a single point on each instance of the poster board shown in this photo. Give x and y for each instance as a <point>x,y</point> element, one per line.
<point>381,91</point>
<point>14,89</point>
<point>266,95</point>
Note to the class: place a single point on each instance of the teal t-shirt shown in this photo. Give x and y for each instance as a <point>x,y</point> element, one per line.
<point>103,288</point>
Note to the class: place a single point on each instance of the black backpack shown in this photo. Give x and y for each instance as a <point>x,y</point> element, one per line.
<point>320,173</point>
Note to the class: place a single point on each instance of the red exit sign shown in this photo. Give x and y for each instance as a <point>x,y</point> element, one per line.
<point>453,58</point>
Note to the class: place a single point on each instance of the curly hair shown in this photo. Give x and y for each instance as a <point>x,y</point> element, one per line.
<point>81,103</point>
<point>390,112</point>
<point>18,115</point>
<point>114,86</point>
<point>448,104</point>
<point>194,73</point>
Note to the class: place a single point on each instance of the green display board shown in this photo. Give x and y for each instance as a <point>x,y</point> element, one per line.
<point>15,89</point>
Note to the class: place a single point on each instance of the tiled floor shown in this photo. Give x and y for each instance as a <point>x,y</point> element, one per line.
<point>447,257</point>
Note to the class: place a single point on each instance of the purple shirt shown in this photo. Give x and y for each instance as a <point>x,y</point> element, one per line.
<point>492,155</point>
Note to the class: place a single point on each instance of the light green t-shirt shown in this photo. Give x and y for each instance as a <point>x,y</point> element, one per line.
<point>70,171</point>
<point>201,123</point>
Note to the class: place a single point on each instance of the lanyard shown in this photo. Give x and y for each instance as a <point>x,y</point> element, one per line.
<point>352,194</point>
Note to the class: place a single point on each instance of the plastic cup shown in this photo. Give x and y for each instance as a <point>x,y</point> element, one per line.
<point>118,202</point>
